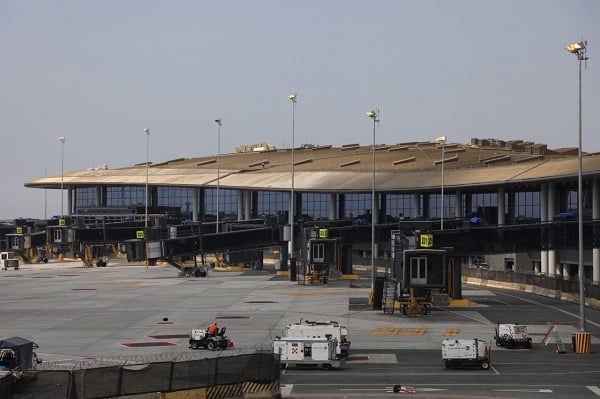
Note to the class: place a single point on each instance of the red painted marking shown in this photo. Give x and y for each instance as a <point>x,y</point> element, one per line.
<point>172,336</point>
<point>165,322</point>
<point>146,344</point>
<point>233,317</point>
<point>358,357</point>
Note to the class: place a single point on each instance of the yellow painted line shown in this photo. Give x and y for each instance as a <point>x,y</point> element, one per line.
<point>451,332</point>
<point>415,332</point>
<point>350,277</point>
<point>461,302</point>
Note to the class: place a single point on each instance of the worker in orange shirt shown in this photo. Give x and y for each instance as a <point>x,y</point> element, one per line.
<point>212,329</point>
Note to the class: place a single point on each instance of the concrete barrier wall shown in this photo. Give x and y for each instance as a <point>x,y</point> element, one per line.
<point>563,296</point>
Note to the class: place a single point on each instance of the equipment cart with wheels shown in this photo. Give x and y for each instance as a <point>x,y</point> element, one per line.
<point>512,336</point>
<point>466,353</point>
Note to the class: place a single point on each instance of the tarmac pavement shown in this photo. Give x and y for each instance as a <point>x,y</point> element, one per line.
<point>128,311</point>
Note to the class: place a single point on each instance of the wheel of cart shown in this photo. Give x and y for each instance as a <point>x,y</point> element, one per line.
<point>484,364</point>
<point>327,366</point>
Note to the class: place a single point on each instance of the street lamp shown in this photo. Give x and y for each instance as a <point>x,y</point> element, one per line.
<point>442,140</point>
<point>580,50</point>
<point>219,122</point>
<point>147,131</point>
<point>293,98</point>
<point>62,174</point>
<point>373,114</point>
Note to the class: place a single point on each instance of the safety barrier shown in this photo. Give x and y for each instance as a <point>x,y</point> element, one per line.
<point>247,375</point>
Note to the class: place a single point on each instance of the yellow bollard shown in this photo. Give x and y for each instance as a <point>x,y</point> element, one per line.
<point>583,342</point>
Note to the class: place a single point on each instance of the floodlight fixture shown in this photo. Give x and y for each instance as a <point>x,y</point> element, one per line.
<point>219,122</point>
<point>62,174</point>
<point>580,50</point>
<point>147,132</point>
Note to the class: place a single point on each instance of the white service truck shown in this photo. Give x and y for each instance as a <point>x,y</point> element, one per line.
<point>321,330</point>
<point>8,259</point>
<point>307,351</point>
<point>512,336</point>
<point>466,352</point>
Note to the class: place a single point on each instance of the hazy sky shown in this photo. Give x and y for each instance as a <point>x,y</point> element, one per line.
<point>98,72</point>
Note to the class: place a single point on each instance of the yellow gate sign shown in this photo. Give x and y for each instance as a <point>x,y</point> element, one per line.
<point>139,234</point>
<point>323,233</point>
<point>62,222</point>
<point>426,241</point>
<point>19,230</point>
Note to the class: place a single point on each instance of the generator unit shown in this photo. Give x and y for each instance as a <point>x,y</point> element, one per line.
<point>512,336</point>
<point>321,330</point>
<point>305,351</point>
<point>466,353</point>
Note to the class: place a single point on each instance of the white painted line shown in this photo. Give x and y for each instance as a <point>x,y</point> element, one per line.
<point>495,371</point>
<point>594,389</point>
<point>551,307</point>
<point>286,390</point>
<point>525,390</point>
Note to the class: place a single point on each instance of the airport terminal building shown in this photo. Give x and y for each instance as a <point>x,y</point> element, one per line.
<point>487,181</point>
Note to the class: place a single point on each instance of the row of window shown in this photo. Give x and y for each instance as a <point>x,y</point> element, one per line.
<point>314,205</point>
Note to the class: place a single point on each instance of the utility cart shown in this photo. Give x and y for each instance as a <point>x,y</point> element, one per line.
<point>466,353</point>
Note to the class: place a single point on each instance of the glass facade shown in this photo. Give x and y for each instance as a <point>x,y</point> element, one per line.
<point>313,205</point>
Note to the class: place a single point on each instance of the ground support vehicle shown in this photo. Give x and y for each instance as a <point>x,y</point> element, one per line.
<point>8,259</point>
<point>322,330</point>
<point>199,338</point>
<point>307,352</point>
<point>16,356</point>
<point>512,336</point>
<point>466,353</point>
<point>415,305</point>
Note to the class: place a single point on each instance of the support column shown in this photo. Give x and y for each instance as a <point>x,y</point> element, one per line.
<point>416,205</point>
<point>458,211</point>
<point>551,238</point>
<point>425,206</point>
<point>511,207</point>
<point>468,205</point>
<point>342,206</point>
<point>240,204</point>
<point>69,201</point>
<point>247,205</point>
<point>194,204</point>
<point>375,212</point>
<point>544,218</point>
<point>501,205</point>
<point>566,271</point>
<point>596,244</point>
<point>332,207</point>
<point>99,196</point>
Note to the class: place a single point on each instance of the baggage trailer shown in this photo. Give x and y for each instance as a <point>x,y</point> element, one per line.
<point>305,351</point>
<point>8,259</point>
<point>466,353</point>
<point>512,336</point>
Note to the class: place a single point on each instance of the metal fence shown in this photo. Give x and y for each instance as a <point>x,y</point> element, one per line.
<point>553,283</point>
<point>122,380</point>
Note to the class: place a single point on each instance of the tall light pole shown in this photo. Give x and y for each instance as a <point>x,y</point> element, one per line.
<point>219,123</point>
<point>62,174</point>
<point>373,114</point>
<point>293,98</point>
<point>442,141</point>
<point>147,132</point>
<point>580,50</point>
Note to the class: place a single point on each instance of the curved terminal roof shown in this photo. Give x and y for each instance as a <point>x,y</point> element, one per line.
<point>403,167</point>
